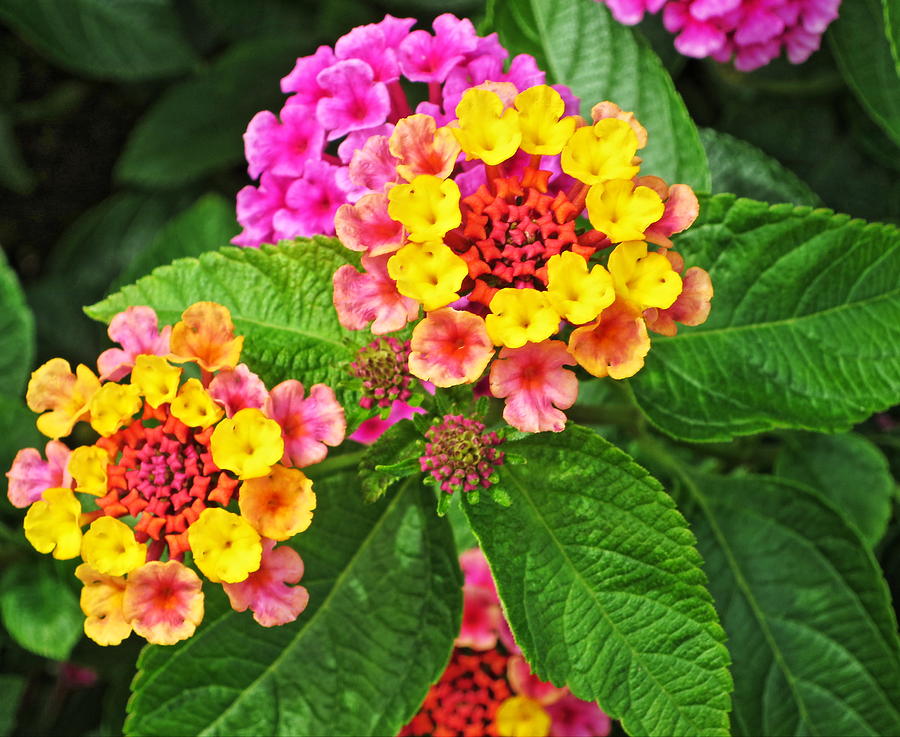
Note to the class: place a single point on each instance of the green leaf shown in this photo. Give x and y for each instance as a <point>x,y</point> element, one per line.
<point>400,442</point>
<point>804,331</point>
<point>280,301</point>
<point>580,45</point>
<point>808,616</point>
<point>208,224</point>
<point>196,126</point>
<point>891,9</point>
<point>14,172</point>
<point>385,604</point>
<point>603,588</point>
<point>38,609</point>
<point>739,167</point>
<point>864,56</point>
<point>849,471</point>
<point>16,333</point>
<point>107,39</point>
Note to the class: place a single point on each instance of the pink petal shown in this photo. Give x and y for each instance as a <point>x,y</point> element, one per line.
<point>370,430</point>
<point>307,425</point>
<point>572,717</point>
<point>480,619</point>
<point>535,385</point>
<point>256,208</point>
<point>360,298</point>
<point>366,226</point>
<point>266,592</point>
<point>373,166</point>
<point>238,389</point>
<point>525,683</point>
<point>356,100</point>
<point>302,79</point>
<point>30,475</point>
<point>368,43</point>
<point>135,329</point>
<point>310,203</point>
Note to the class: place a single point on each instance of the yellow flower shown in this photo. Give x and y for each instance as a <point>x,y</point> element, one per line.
<point>520,716</point>
<point>109,547</point>
<point>278,505</point>
<point>113,406</point>
<point>194,407</point>
<point>599,152</point>
<point>156,379</point>
<point>644,279</point>
<point>248,444</point>
<point>486,131</point>
<point>429,273</point>
<point>622,211</point>
<point>225,546</point>
<point>543,132</point>
<point>51,524</point>
<point>576,294</point>
<point>54,387</point>
<point>87,464</point>
<point>101,602</point>
<point>427,207</point>
<point>520,316</point>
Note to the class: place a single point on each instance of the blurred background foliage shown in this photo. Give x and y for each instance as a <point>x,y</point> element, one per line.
<point>120,149</point>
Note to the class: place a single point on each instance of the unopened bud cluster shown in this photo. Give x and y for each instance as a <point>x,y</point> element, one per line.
<point>383,366</point>
<point>460,455</point>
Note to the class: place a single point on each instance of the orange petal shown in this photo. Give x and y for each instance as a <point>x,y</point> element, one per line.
<point>206,335</point>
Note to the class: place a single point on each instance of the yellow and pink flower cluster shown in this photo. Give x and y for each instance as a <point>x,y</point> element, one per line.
<point>202,468</point>
<point>497,225</point>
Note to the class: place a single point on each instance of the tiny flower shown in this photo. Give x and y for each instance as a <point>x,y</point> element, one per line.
<point>136,330</point>
<point>520,716</point>
<point>572,717</point>
<point>62,396</point>
<point>256,210</point>
<point>681,210</point>
<point>450,347</point>
<point>284,146</point>
<point>535,385</point>
<point>238,389</point>
<point>615,345</point>
<point>163,602</point>
<point>575,293</point>
<point>692,305</point>
<point>310,202</point>
<point>544,130</point>
<point>607,109</point>
<point>194,406</point>
<point>366,226</point>
<point>623,211</point>
<point>206,335</point>
<point>87,466</point>
<point>225,546</point>
<point>356,101</point>
<point>520,316</point>
<point>486,130</point>
<point>112,406</point>
<point>52,524</point>
<point>30,476</point>
<point>109,548</point>
<point>102,603</point>
<point>371,297</point>
<point>308,424</point>
<point>428,207</point>
<point>644,279</point>
<point>266,592</point>
<point>600,152</point>
<point>460,455</point>
<point>421,148</point>
<point>373,166</point>
<point>279,505</point>
<point>248,444</point>
<point>429,273</point>
<point>156,379</point>
<point>383,367</point>
<point>427,58</point>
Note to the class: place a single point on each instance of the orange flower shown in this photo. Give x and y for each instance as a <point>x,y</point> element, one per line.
<point>164,602</point>
<point>615,344</point>
<point>278,505</point>
<point>206,335</point>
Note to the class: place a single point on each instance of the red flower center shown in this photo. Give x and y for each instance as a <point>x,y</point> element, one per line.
<point>508,234</point>
<point>165,476</point>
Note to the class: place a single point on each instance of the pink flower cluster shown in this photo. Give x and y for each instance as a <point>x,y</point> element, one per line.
<point>341,97</point>
<point>752,32</point>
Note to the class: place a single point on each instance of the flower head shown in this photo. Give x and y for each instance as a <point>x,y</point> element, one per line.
<point>172,474</point>
<point>496,251</point>
<point>460,455</point>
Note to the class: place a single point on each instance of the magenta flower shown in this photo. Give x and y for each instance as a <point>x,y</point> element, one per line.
<point>751,32</point>
<point>136,330</point>
<point>353,94</point>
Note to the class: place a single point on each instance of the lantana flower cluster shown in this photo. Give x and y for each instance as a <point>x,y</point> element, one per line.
<point>496,224</point>
<point>202,468</point>
<point>344,96</point>
<point>752,32</point>
<point>488,687</point>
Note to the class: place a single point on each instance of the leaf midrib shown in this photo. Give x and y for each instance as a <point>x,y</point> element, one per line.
<point>636,656</point>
